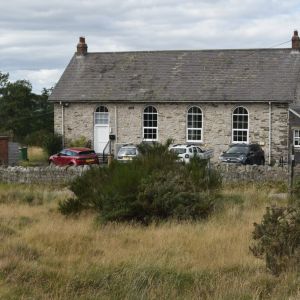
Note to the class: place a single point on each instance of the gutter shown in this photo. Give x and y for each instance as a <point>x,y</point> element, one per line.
<point>270,132</point>
<point>116,124</point>
<point>62,125</point>
<point>168,101</point>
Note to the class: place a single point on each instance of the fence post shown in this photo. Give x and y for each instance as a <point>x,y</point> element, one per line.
<point>291,169</point>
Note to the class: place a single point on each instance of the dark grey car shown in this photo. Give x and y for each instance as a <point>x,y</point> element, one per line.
<point>246,154</point>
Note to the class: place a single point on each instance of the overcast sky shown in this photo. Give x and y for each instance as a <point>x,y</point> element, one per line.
<point>38,38</point>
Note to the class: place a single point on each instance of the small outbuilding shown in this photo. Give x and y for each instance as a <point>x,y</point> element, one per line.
<point>9,151</point>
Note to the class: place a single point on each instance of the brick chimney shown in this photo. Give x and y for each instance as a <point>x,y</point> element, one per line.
<point>296,41</point>
<point>81,47</point>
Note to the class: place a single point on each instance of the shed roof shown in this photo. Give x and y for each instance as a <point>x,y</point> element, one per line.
<point>181,76</point>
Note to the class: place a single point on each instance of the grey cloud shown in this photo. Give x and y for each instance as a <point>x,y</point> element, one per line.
<point>37,35</point>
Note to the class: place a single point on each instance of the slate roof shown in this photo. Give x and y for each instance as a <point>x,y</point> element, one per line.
<point>164,76</point>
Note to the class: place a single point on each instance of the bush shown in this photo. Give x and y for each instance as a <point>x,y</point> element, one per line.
<point>52,143</point>
<point>151,187</point>
<point>37,138</point>
<point>164,195</point>
<point>80,142</point>
<point>278,238</point>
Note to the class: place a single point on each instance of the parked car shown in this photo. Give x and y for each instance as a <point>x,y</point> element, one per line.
<point>244,154</point>
<point>74,157</point>
<point>186,152</point>
<point>127,153</point>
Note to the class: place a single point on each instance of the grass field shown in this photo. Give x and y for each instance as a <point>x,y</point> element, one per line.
<point>44,255</point>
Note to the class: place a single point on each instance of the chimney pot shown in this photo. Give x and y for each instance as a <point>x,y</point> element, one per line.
<point>296,41</point>
<point>81,47</point>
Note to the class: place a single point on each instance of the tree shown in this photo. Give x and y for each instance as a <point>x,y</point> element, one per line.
<point>22,112</point>
<point>3,82</point>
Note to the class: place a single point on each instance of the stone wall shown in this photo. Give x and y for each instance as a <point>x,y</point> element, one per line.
<point>48,175</point>
<point>40,175</point>
<point>239,173</point>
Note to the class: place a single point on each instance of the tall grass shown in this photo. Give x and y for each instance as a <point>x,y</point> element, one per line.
<point>44,255</point>
<point>36,157</point>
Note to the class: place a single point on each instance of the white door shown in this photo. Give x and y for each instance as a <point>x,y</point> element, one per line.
<point>101,137</point>
<point>101,129</point>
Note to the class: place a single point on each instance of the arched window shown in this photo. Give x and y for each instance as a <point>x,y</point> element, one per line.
<point>194,124</point>
<point>240,125</point>
<point>101,115</point>
<point>150,123</point>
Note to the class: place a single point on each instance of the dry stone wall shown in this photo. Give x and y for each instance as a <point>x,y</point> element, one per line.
<point>40,175</point>
<point>59,176</point>
<point>248,173</point>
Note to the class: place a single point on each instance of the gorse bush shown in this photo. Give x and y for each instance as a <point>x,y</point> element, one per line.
<point>170,194</point>
<point>278,239</point>
<point>151,187</point>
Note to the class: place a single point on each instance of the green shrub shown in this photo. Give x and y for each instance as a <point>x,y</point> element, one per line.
<point>70,206</point>
<point>278,238</point>
<point>156,156</point>
<point>164,195</point>
<point>151,187</point>
<point>37,138</point>
<point>52,143</point>
<point>201,175</point>
<point>80,142</point>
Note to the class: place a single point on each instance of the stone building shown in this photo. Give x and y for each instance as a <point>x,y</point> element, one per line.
<point>208,97</point>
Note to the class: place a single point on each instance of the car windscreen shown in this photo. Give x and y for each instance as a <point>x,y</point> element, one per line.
<point>127,151</point>
<point>178,150</point>
<point>238,149</point>
<point>86,152</point>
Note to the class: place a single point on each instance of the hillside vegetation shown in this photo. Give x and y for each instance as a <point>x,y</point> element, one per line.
<point>45,255</point>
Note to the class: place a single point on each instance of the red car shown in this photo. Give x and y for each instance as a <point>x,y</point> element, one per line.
<point>74,157</point>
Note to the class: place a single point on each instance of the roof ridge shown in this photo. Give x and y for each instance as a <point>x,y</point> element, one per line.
<point>193,50</point>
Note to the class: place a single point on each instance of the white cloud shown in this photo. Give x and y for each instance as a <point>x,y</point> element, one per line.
<point>38,38</point>
<point>45,78</point>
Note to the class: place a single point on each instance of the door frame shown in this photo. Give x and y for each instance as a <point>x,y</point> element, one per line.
<point>100,125</point>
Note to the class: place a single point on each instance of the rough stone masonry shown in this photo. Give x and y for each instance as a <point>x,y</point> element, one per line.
<point>63,176</point>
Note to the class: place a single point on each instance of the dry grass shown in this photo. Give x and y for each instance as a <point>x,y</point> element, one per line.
<point>47,256</point>
<point>36,156</point>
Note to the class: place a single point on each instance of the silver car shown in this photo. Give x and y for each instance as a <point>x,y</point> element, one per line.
<point>186,152</point>
<point>127,153</point>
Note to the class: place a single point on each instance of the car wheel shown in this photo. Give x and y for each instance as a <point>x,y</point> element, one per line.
<point>248,162</point>
<point>262,161</point>
<point>51,164</point>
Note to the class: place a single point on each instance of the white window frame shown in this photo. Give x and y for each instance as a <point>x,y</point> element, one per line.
<point>194,128</point>
<point>150,127</point>
<point>239,129</point>
<point>296,138</point>
<point>103,113</point>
